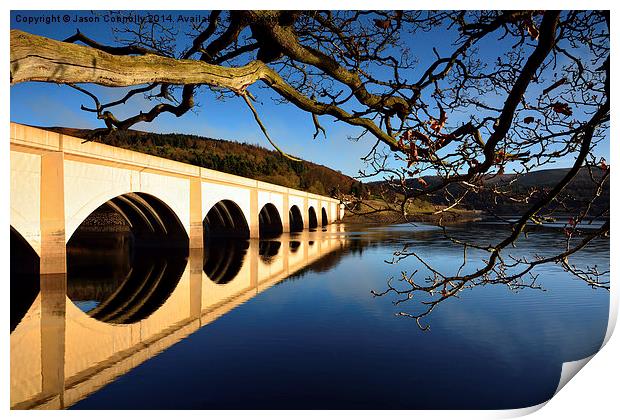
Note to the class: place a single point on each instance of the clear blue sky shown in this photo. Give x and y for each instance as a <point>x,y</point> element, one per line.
<point>45,104</point>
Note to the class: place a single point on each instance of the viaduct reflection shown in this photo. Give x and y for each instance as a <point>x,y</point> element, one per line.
<point>123,288</point>
<point>124,299</point>
<point>118,305</point>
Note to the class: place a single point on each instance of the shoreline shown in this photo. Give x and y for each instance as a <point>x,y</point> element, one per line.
<point>390,218</point>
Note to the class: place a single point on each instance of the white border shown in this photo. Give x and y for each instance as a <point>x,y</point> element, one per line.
<point>593,395</point>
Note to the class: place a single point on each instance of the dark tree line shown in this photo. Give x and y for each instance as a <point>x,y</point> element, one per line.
<point>232,157</point>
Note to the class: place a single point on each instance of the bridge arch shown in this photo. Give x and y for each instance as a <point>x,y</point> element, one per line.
<point>296,221</point>
<point>28,230</point>
<point>269,221</point>
<point>324,218</point>
<point>24,277</point>
<point>146,219</point>
<point>225,220</point>
<point>88,186</point>
<point>312,219</point>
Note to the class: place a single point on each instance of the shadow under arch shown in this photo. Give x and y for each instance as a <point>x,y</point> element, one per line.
<point>296,222</point>
<point>225,220</point>
<point>126,258</point>
<point>144,219</point>
<point>223,258</point>
<point>324,219</point>
<point>312,220</point>
<point>269,222</point>
<point>24,277</point>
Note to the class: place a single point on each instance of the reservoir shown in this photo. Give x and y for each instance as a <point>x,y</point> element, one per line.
<point>291,323</point>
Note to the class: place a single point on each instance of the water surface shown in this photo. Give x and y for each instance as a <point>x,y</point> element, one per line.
<point>291,324</point>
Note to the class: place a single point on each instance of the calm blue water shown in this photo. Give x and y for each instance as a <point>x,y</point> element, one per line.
<point>321,341</point>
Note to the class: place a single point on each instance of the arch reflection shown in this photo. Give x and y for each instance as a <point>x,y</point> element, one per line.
<point>267,250</point>
<point>223,258</point>
<point>82,355</point>
<point>24,277</point>
<point>124,290</point>
<point>294,246</point>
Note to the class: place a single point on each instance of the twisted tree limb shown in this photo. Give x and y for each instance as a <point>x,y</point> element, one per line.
<point>39,59</point>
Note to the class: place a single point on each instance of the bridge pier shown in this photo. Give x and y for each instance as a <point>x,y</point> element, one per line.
<point>253,252</point>
<point>306,215</point>
<point>195,214</point>
<point>253,223</point>
<point>286,223</point>
<point>52,222</point>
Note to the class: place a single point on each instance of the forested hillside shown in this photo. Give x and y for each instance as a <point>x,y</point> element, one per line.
<point>229,156</point>
<point>576,194</point>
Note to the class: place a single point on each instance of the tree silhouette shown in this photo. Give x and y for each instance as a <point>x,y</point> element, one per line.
<point>504,93</point>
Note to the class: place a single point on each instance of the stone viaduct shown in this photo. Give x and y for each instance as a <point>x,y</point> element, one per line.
<point>60,352</point>
<point>57,181</point>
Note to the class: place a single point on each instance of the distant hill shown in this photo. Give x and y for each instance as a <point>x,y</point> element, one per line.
<point>579,190</point>
<point>233,157</point>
